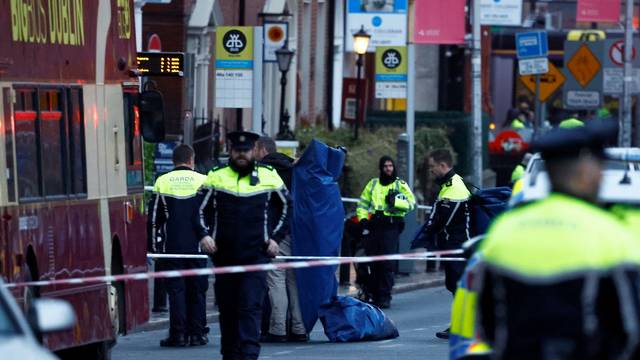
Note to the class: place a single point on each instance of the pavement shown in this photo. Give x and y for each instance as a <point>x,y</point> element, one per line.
<point>417,314</point>
<point>403,283</point>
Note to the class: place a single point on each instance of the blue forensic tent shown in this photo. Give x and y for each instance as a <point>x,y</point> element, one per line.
<point>317,224</point>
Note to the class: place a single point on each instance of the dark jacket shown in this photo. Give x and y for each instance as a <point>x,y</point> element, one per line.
<point>235,212</point>
<point>173,212</point>
<point>282,164</point>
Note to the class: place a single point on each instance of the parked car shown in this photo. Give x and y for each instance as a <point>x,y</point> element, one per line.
<point>19,335</point>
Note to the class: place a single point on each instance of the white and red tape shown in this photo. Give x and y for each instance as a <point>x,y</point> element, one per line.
<point>310,261</point>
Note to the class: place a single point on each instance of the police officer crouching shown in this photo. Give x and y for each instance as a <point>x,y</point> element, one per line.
<point>558,278</point>
<point>239,228</point>
<point>175,207</point>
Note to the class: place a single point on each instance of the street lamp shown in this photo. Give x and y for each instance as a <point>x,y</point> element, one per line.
<point>360,45</point>
<point>284,56</point>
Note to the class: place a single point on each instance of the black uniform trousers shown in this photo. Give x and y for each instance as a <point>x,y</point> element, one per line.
<point>240,298</point>
<point>453,271</point>
<point>382,240</point>
<point>187,299</point>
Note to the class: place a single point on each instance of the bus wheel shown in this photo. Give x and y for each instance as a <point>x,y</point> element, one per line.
<point>117,303</point>
<point>98,351</point>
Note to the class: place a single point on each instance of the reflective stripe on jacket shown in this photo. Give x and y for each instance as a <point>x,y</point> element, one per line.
<point>235,211</point>
<point>174,209</point>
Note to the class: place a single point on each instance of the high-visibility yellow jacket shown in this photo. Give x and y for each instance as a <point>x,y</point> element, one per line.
<point>546,268</point>
<point>374,199</point>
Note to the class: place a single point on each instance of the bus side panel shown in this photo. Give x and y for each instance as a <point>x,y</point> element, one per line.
<point>132,237</point>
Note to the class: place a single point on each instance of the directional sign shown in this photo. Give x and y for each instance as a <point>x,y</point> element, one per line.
<point>549,82</point>
<point>535,66</point>
<point>532,44</point>
<point>584,65</point>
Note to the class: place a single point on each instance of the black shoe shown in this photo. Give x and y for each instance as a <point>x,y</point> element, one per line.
<point>174,341</point>
<point>198,340</point>
<point>160,309</point>
<point>298,338</point>
<point>385,304</point>
<point>270,338</point>
<point>443,334</point>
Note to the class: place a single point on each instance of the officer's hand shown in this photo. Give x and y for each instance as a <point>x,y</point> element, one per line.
<point>208,245</point>
<point>272,248</point>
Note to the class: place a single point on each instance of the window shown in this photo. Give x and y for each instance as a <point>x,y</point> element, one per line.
<point>50,152</point>
<point>76,143</point>
<point>8,135</point>
<point>133,142</point>
<point>27,155</point>
<point>51,142</point>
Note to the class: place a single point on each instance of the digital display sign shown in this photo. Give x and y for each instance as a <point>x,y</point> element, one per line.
<point>161,64</point>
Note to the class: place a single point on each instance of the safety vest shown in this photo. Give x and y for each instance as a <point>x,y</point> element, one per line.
<point>557,251</point>
<point>373,199</point>
<point>454,190</point>
<point>517,173</point>
<point>174,207</point>
<point>518,124</point>
<point>571,123</point>
<point>238,212</point>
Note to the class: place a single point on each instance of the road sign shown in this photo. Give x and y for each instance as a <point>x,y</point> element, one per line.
<point>532,44</point>
<point>616,53</point>
<point>501,12</point>
<point>582,99</point>
<point>275,36</point>
<point>391,72</point>
<point>549,82</point>
<point>535,66</point>
<point>584,65</point>
<point>234,67</point>
<point>385,21</point>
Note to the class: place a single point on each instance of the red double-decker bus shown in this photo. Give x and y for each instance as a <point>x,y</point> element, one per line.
<point>71,194</point>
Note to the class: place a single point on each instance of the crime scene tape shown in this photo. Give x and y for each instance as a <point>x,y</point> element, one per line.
<point>288,258</point>
<point>239,269</point>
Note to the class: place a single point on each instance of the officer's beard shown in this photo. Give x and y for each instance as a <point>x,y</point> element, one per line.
<point>243,169</point>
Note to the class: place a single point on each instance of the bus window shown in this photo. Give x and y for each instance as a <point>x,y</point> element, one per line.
<point>27,157</point>
<point>8,141</point>
<point>133,142</point>
<point>76,142</point>
<point>51,145</point>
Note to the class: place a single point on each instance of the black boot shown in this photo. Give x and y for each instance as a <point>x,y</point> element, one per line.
<point>198,340</point>
<point>174,341</point>
<point>443,334</point>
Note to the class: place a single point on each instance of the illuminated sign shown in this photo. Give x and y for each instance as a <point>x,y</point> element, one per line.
<point>161,64</point>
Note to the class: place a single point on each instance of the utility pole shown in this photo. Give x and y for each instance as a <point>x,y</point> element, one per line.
<point>625,128</point>
<point>476,76</point>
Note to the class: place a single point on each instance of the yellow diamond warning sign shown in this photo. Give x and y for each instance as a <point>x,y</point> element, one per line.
<point>584,65</point>
<point>549,82</point>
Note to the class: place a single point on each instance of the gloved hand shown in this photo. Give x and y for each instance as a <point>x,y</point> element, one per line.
<point>390,199</point>
<point>364,225</point>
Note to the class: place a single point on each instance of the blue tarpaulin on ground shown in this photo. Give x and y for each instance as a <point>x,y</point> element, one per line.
<point>317,224</point>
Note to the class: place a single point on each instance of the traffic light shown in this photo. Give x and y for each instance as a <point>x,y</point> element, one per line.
<point>152,116</point>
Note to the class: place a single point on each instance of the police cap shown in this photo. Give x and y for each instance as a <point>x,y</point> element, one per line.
<point>569,143</point>
<point>242,140</point>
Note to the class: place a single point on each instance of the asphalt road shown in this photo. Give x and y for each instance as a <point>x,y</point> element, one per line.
<point>418,315</point>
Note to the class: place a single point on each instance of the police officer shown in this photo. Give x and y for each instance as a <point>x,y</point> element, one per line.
<point>448,224</point>
<point>558,279</point>
<point>383,204</point>
<point>237,207</point>
<point>175,208</point>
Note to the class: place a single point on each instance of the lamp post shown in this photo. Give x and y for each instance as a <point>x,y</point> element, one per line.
<point>284,56</point>
<point>360,45</point>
